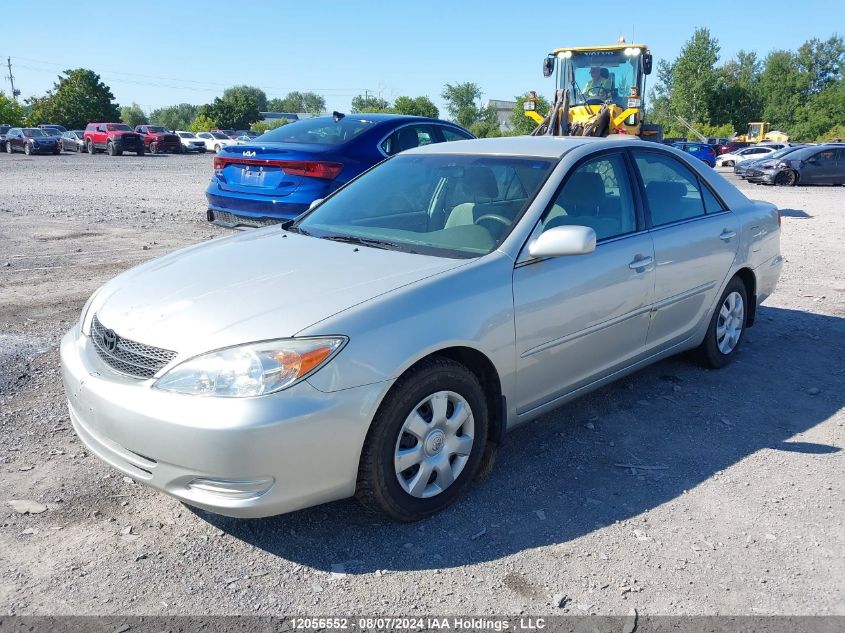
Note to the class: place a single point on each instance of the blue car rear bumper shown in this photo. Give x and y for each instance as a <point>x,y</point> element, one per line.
<point>230,208</point>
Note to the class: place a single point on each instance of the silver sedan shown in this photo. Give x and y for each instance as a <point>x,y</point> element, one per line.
<point>383,344</point>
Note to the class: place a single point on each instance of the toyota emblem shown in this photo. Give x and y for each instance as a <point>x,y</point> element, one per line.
<point>109,340</point>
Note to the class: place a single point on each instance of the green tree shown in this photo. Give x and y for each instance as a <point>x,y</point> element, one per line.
<point>295,101</point>
<point>520,123</point>
<point>822,62</point>
<point>783,89</point>
<point>694,77</point>
<point>257,95</point>
<point>11,112</point>
<point>417,106</point>
<point>487,124</point>
<point>177,117</point>
<point>369,103</point>
<point>133,115</point>
<point>237,110</point>
<point>202,123</point>
<point>78,98</point>
<point>463,103</point>
<point>736,98</point>
<point>264,126</point>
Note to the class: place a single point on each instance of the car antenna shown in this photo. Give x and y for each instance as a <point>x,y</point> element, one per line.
<point>337,116</point>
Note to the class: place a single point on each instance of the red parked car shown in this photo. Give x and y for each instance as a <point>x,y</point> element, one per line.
<point>731,146</point>
<point>158,139</point>
<point>114,138</point>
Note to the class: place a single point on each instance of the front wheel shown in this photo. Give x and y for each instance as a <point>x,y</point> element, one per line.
<point>786,178</point>
<point>8,148</point>
<point>110,149</point>
<point>153,148</point>
<point>425,443</point>
<point>727,325</point>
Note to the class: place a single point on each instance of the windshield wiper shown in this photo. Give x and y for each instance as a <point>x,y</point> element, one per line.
<point>363,241</point>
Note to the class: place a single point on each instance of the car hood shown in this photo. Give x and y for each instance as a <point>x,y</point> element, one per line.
<point>254,286</point>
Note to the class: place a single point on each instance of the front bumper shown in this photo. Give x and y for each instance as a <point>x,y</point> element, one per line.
<point>307,441</point>
<point>767,177</point>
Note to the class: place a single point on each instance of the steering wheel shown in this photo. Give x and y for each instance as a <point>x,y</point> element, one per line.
<point>495,217</point>
<point>594,101</point>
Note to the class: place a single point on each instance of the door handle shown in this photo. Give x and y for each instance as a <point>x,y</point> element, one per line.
<point>640,262</point>
<point>727,234</point>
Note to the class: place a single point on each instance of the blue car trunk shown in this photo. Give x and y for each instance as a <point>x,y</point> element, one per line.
<point>274,170</point>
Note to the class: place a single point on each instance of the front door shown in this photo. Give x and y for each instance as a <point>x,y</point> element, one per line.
<point>820,168</point>
<point>578,318</point>
<point>695,241</point>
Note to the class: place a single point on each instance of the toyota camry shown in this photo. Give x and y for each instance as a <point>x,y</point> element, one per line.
<point>384,343</point>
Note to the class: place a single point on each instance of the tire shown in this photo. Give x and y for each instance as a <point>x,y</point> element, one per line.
<point>110,149</point>
<point>153,148</point>
<point>91,149</point>
<point>78,148</point>
<point>786,178</point>
<point>57,151</point>
<point>202,150</point>
<point>437,384</point>
<point>728,163</point>
<point>715,351</point>
<point>140,152</point>
<point>9,149</point>
<point>27,150</point>
<point>216,149</point>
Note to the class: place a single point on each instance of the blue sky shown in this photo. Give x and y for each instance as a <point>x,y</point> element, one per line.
<point>189,51</point>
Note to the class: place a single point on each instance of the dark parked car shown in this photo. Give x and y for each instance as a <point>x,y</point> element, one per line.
<point>754,166</point>
<point>73,140</point>
<point>702,151</point>
<point>31,140</point>
<point>3,130</point>
<point>811,165</point>
<point>278,175</point>
<point>731,146</point>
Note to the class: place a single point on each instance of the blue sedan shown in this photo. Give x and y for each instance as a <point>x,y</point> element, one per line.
<point>702,151</point>
<point>277,176</point>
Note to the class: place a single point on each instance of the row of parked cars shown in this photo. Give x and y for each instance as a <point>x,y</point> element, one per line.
<point>796,164</point>
<point>116,138</point>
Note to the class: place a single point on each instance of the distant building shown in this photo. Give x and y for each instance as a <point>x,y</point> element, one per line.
<point>503,109</point>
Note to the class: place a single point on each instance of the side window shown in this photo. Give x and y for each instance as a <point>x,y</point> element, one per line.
<point>826,156</point>
<point>711,202</point>
<point>101,128</point>
<point>451,134</point>
<point>408,137</point>
<point>671,189</point>
<point>597,194</point>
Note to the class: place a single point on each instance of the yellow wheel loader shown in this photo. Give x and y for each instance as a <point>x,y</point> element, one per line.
<point>599,91</point>
<point>760,131</point>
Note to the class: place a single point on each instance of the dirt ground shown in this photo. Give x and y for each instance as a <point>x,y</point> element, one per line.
<point>674,491</point>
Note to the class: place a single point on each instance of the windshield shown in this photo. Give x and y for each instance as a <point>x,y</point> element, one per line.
<point>219,135</point>
<point>155,129</point>
<point>5,128</point>
<point>31,131</point>
<point>600,75</point>
<point>784,151</point>
<point>320,131</point>
<point>79,133</point>
<point>118,127</point>
<point>446,205</point>
<point>186,135</point>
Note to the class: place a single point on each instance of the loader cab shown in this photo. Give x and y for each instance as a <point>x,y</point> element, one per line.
<point>622,67</point>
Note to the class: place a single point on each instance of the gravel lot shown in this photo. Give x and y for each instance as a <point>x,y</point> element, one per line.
<point>737,507</point>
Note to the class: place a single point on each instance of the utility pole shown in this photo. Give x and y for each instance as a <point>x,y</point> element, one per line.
<point>11,78</point>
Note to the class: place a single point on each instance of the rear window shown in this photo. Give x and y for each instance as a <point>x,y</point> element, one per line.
<point>118,127</point>
<point>319,131</point>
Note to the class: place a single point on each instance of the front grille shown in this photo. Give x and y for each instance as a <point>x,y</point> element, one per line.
<point>230,219</point>
<point>125,356</point>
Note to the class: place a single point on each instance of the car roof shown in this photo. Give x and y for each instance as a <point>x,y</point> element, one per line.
<point>534,146</point>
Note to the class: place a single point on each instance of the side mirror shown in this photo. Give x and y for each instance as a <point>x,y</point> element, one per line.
<point>315,203</point>
<point>648,60</point>
<point>562,241</point>
<point>548,66</point>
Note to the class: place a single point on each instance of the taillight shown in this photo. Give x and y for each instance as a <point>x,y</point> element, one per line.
<point>313,169</point>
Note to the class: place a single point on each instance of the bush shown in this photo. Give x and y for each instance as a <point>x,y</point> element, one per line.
<point>202,123</point>
<point>264,126</point>
<point>836,133</point>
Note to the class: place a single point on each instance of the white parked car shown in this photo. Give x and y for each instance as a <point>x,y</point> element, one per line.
<point>215,141</point>
<point>746,153</point>
<point>191,142</point>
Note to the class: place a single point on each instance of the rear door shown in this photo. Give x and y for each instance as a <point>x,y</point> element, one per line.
<point>695,241</point>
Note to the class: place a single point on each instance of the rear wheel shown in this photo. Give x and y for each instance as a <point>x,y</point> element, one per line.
<point>8,148</point>
<point>728,163</point>
<point>91,148</point>
<point>140,151</point>
<point>426,442</point>
<point>79,148</point>
<point>727,325</point>
<point>217,149</point>
<point>786,178</point>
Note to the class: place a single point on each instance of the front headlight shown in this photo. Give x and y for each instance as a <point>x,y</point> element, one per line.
<point>251,370</point>
<point>85,309</point>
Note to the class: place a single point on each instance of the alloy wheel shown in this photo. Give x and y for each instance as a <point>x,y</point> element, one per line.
<point>434,444</point>
<point>730,322</point>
